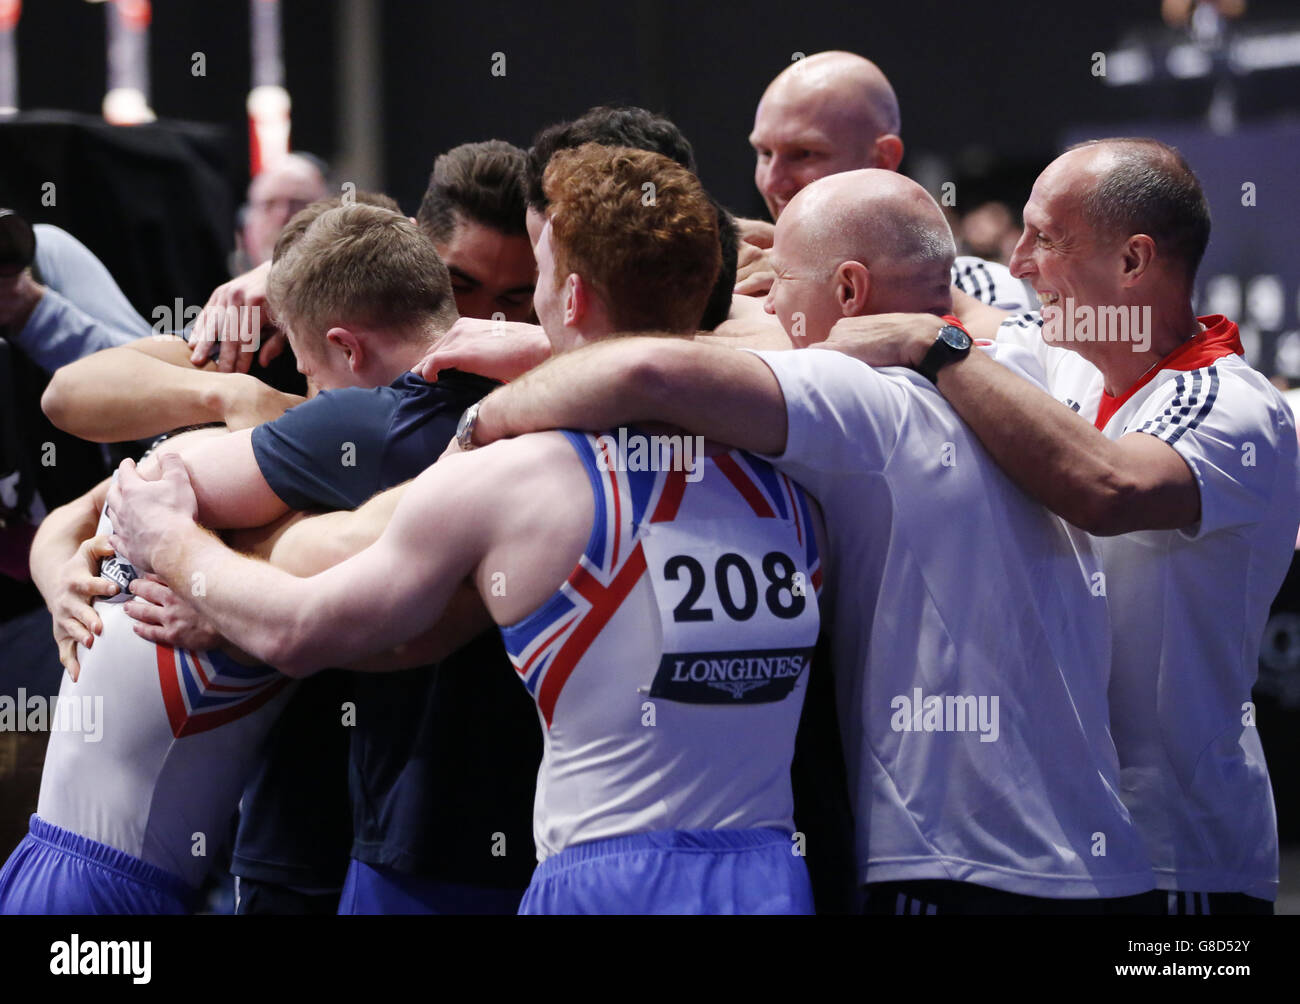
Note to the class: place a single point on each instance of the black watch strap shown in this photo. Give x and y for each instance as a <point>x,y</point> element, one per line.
<point>951,344</point>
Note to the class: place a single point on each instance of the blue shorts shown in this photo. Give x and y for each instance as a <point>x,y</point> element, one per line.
<point>55,871</point>
<point>374,889</point>
<point>674,871</point>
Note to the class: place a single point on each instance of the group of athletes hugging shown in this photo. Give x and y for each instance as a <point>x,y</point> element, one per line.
<point>946,613</point>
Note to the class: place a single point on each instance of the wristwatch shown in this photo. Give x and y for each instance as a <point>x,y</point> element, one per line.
<point>465,429</point>
<point>950,345</point>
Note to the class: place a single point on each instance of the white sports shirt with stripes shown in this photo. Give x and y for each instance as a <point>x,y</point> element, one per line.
<point>991,283</point>
<point>1188,607</point>
<point>179,733</point>
<point>669,669</point>
<point>970,646</point>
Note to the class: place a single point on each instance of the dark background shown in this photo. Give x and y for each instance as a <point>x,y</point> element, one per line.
<point>972,78</point>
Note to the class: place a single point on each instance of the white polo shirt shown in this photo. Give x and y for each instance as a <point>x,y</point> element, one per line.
<point>1188,607</point>
<point>970,652</point>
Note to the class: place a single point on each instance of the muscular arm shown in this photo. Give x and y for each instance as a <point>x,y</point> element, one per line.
<point>314,543</point>
<point>228,483</point>
<point>1104,486</point>
<point>65,568</point>
<point>148,387</point>
<point>749,326</point>
<point>724,395</point>
<point>977,317</point>
<point>366,604</point>
<point>59,536</point>
<point>305,545</point>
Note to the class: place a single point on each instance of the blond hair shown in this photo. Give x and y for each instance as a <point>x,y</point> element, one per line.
<point>362,266</point>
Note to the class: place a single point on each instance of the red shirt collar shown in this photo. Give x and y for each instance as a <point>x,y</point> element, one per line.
<point>1220,338</point>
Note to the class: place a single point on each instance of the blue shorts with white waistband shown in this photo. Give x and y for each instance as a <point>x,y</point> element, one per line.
<point>674,872</point>
<point>56,871</point>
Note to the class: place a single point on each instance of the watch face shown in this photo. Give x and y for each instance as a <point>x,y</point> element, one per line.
<point>955,337</point>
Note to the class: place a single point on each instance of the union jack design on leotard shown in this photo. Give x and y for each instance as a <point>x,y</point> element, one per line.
<point>547,645</point>
<point>203,690</point>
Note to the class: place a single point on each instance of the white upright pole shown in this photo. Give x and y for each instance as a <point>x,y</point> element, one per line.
<point>127,99</point>
<point>10,11</point>
<point>268,101</point>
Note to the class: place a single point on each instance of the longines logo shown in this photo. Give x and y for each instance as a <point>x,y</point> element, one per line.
<point>754,677</point>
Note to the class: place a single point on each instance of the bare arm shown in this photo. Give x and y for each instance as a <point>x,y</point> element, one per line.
<point>305,545</point>
<point>1104,486</point>
<point>314,543</point>
<point>64,565</point>
<point>976,316</point>
<point>368,603</point>
<point>231,491</point>
<point>749,326</point>
<point>499,350</point>
<point>148,387</point>
<point>724,395</point>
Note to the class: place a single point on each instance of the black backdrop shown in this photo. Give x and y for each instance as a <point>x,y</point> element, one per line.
<point>997,75</point>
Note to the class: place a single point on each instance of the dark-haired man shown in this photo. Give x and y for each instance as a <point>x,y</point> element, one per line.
<point>1180,459</point>
<point>473,211</point>
<point>504,352</point>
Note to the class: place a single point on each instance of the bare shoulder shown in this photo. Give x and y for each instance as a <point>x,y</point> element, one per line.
<point>181,444</point>
<point>527,517</point>
<point>523,454</point>
<point>505,476</point>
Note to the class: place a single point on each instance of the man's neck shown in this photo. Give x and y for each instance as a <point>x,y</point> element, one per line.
<point>1124,364</point>
<point>391,364</point>
<point>913,298</point>
<point>575,338</point>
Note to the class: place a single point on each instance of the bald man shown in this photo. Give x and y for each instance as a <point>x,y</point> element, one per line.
<point>822,115</point>
<point>970,642</point>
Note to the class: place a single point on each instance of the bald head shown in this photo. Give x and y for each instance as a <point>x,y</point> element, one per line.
<point>828,113</point>
<point>860,242</point>
<point>842,83</point>
<point>887,222</point>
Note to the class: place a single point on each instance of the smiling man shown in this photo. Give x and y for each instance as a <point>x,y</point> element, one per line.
<point>825,114</point>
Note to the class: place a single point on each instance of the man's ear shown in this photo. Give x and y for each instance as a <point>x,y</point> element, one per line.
<point>888,152</point>
<point>346,341</point>
<point>577,300</point>
<point>852,282</point>
<point>1138,253</point>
